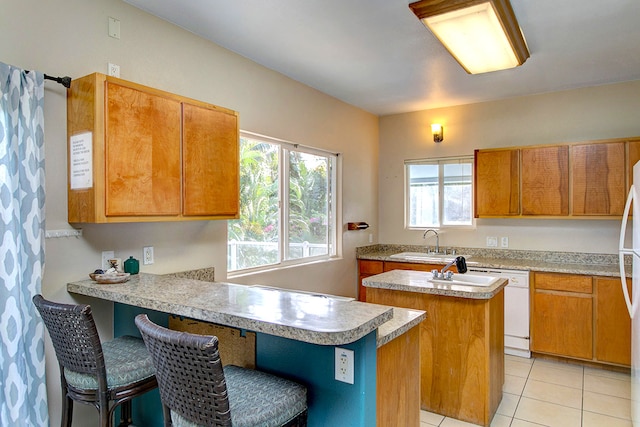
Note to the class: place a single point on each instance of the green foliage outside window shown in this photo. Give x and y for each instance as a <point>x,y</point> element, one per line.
<point>254,239</point>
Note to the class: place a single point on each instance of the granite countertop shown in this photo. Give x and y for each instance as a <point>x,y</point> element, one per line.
<point>419,281</point>
<point>403,320</point>
<point>316,319</point>
<point>553,262</point>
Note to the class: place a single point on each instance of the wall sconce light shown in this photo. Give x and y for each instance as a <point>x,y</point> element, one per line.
<point>482,35</point>
<point>438,132</point>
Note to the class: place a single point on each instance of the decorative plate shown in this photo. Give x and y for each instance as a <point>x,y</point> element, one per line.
<point>111,278</point>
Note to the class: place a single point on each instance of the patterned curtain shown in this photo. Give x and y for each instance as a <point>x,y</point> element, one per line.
<point>23,394</point>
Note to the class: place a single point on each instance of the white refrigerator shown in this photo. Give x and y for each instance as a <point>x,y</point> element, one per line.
<point>633,300</point>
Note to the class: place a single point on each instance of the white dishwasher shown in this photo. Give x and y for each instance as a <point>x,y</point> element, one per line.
<point>516,308</point>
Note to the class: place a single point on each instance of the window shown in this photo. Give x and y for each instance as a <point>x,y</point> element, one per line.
<point>438,193</point>
<point>287,205</point>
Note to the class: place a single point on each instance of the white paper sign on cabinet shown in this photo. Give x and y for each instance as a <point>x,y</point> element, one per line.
<point>81,160</point>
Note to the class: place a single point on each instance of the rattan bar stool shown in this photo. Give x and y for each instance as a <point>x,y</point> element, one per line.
<point>196,390</point>
<point>105,375</point>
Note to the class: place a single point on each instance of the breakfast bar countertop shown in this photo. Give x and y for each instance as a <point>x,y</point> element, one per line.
<point>316,319</point>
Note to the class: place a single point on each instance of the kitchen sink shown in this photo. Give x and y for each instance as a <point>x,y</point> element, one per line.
<point>424,256</point>
<point>467,280</point>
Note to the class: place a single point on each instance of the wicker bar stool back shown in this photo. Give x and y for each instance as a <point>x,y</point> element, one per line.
<point>196,390</point>
<point>105,375</point>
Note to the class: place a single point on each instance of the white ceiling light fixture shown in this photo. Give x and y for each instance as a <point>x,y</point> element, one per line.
<point>482,35</point>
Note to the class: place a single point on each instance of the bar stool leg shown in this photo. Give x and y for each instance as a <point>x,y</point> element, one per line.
<point>125,414</point>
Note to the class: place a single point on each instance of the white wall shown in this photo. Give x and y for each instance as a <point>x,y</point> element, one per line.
<point>576,115</point>
<point>69,37</point>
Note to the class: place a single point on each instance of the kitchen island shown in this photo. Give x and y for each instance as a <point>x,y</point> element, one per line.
<point>461,340</point>
<point>296,333</point>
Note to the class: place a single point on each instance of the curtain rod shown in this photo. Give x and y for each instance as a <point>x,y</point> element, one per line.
<point>64,81</point>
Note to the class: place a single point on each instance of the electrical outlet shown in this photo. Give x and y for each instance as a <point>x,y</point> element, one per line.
<point>344,365</point>
<point>113,70</point>
<point>504,242</point>
<point>106,256</point>
<point>492,242</point>
<point>147,255</point>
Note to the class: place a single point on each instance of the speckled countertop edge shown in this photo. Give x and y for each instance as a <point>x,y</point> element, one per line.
<point>419,282</point>
<point>221,303</point>
<point>403,320</point>
<point>554,262</point>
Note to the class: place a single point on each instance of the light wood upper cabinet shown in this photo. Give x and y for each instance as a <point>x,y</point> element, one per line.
<point>155,156</point>
<point>211,158</point>
<point>633,157</point>
<point>497,178</point>
<point>142,153</point>
<point>570,180</point>
<point>545,180</point>
<point>598,179</point>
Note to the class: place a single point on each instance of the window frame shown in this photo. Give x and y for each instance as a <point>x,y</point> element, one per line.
<point>334,237</point>
<point>440,162</point>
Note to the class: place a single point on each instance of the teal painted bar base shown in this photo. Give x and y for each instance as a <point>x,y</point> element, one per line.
<point>331,403</point>
<point>147,409</point>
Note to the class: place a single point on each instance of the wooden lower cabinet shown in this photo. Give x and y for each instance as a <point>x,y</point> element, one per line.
<point>580,317</point>
<point>613,324</point>
<point>367,268</point>
<point>398,381</point>
<point>461,352</point>
<point>563,325</point>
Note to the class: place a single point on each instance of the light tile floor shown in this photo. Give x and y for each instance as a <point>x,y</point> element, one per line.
<point>539,392</point>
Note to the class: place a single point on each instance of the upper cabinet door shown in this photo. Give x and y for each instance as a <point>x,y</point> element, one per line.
<point>545,180</point>
<point>210,161</point>
<point>598,179</point>
<point>497,182</point>
<point>142,153</point>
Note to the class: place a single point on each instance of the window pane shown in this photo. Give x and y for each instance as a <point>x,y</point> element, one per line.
<point>457,208</point>
<point>439,193</point>
<point>309,210</point>
<point>253,238</point>
<point>423,195</point>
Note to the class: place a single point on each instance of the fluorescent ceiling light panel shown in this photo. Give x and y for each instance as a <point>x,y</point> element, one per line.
<point>482,36</point>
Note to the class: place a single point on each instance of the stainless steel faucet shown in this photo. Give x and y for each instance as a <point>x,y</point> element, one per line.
<point>424,236</point>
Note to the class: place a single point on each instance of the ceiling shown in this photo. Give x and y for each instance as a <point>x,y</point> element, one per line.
<point>376,55</point>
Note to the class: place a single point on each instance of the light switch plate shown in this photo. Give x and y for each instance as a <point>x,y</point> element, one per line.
<point>114,28</point>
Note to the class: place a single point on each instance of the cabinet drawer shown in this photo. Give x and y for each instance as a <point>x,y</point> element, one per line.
<point>370,267</point>
<point>563,282</point>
